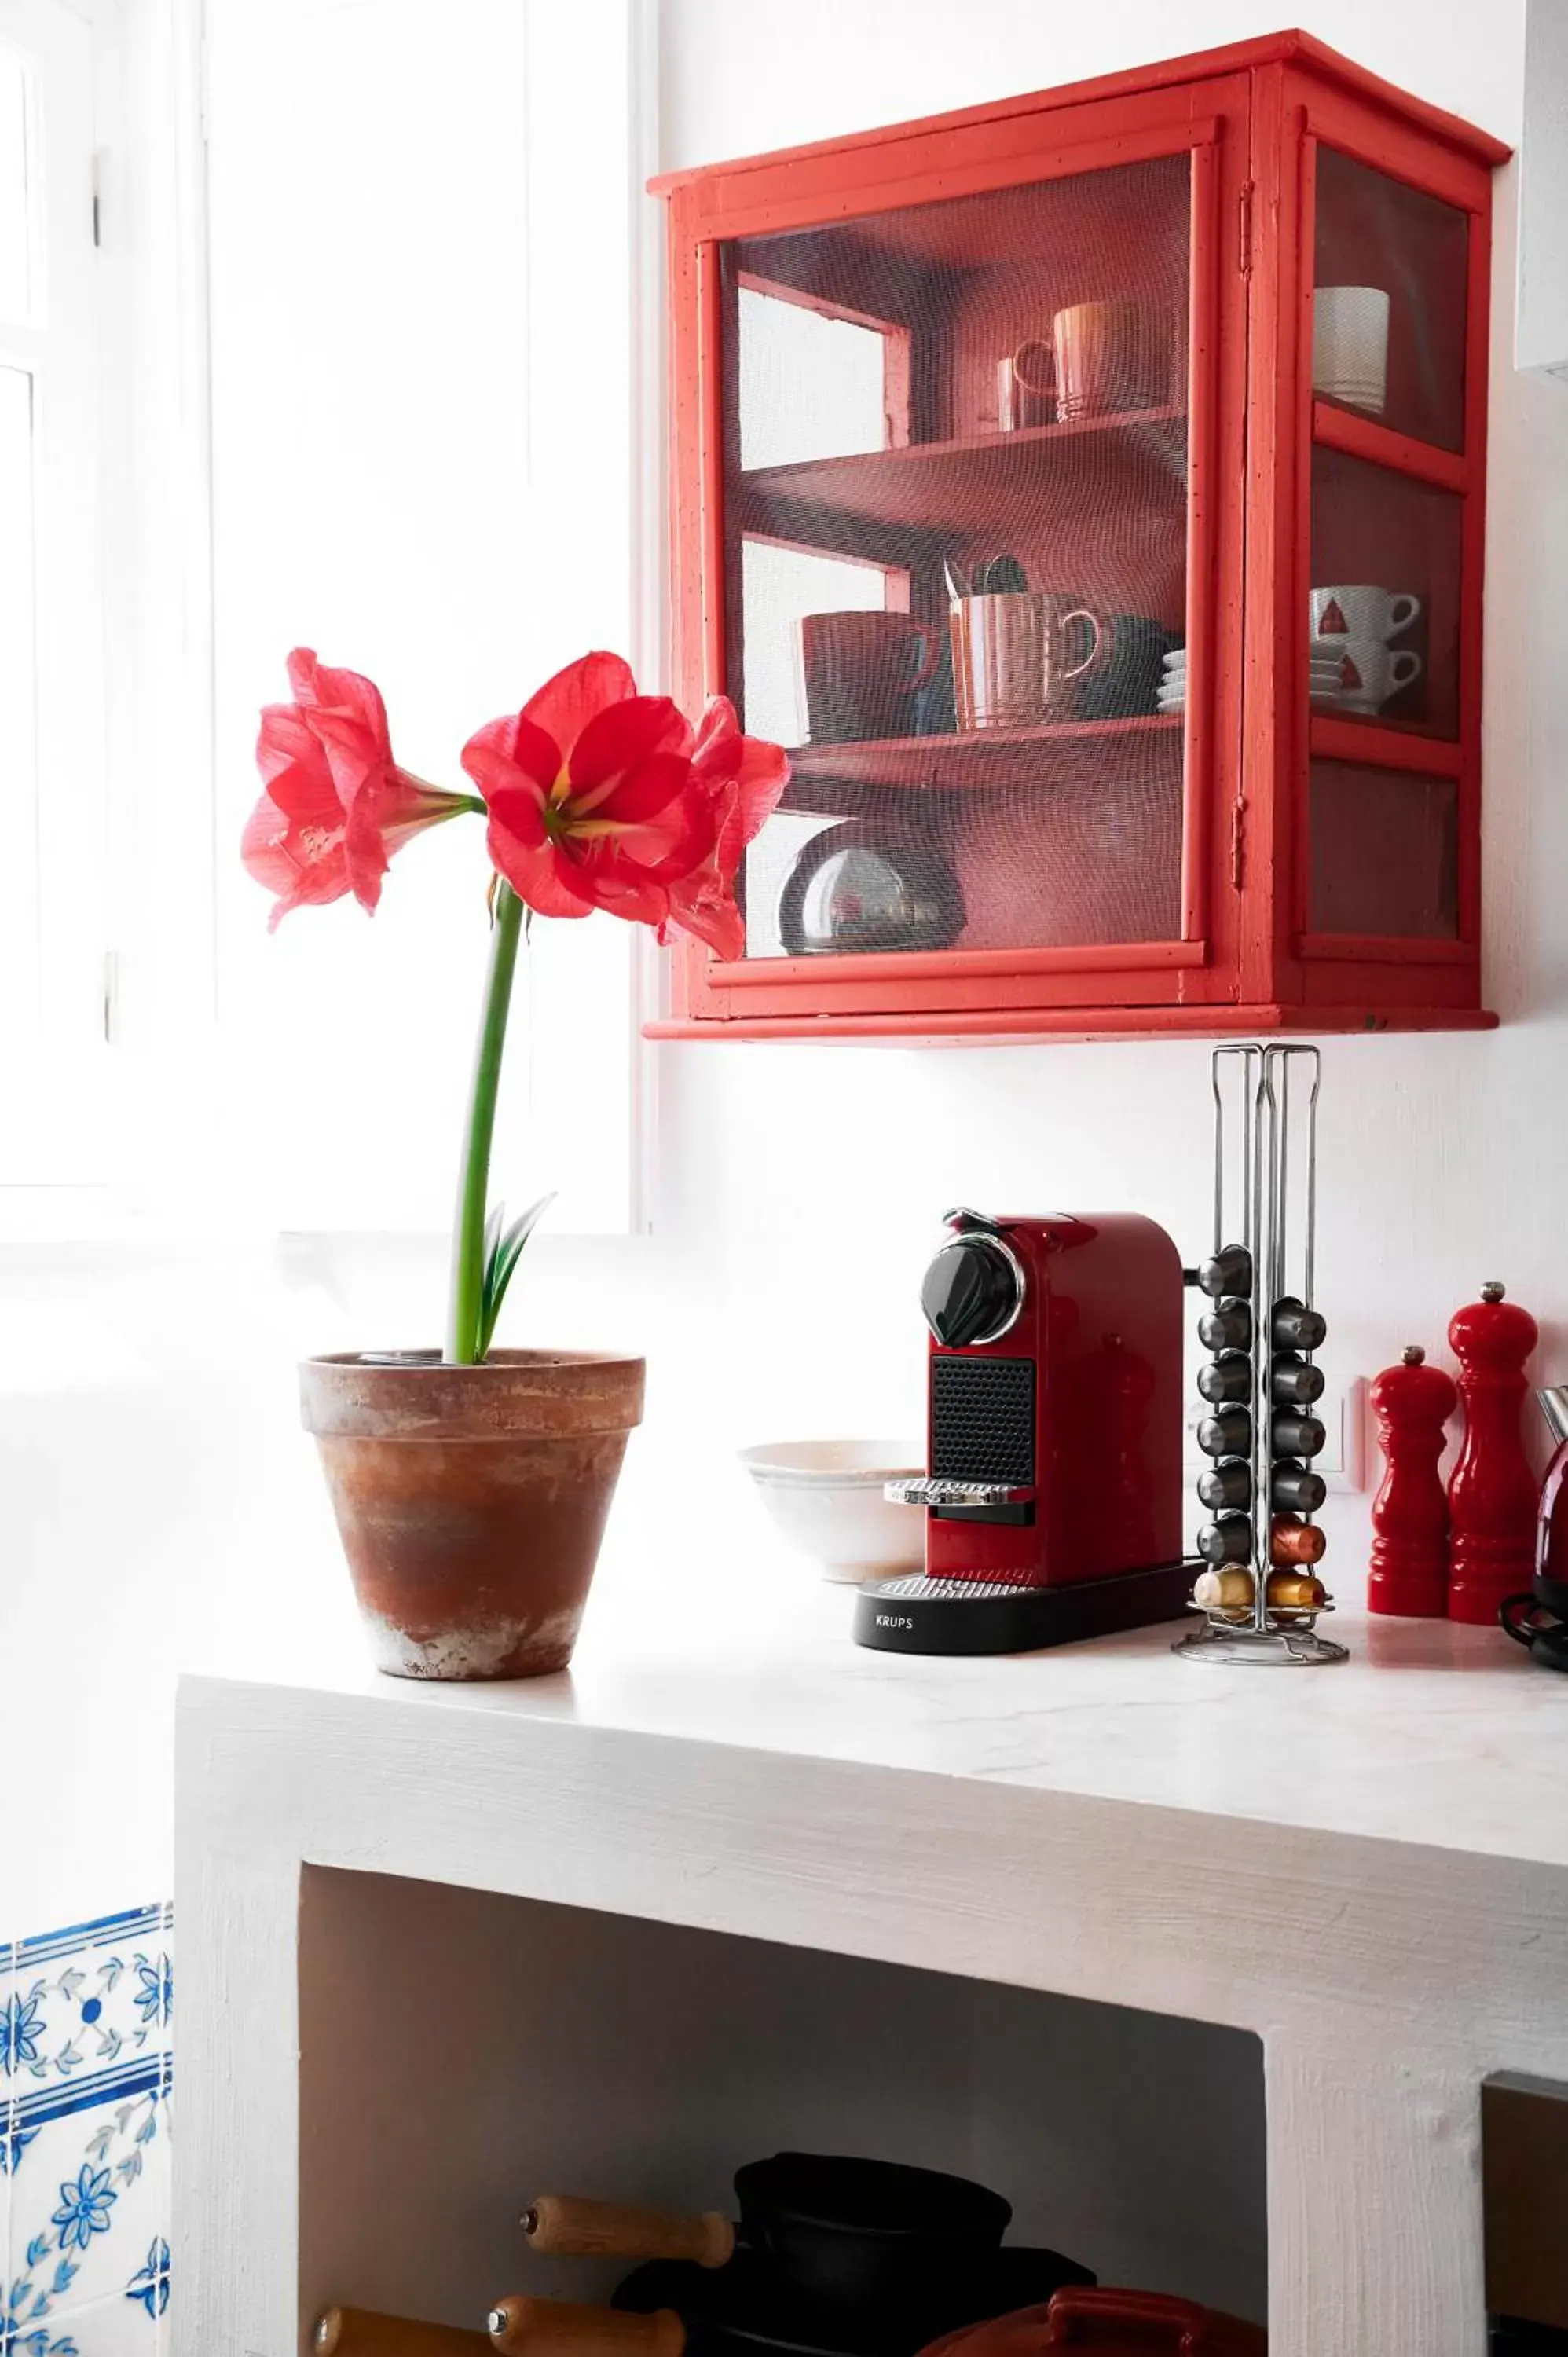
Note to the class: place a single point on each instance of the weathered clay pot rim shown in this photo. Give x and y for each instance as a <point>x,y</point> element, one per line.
<point>512,1393</point>
<point>430,1362</point>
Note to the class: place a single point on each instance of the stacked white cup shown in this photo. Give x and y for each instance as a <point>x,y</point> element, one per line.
<point>1351,664</point>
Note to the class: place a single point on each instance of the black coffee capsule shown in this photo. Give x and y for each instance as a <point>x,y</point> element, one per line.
<point>1227,1433</point>
<point>1228,1539</point>
<point>1230,1485</point>
<point>1230,1377</point>
<point>1295,1328</point>
<point>1296,1436</point>
<point>1293,1382</point>
<point>1292,1489</point>
<point>1229,1271</point>
<point>1229,1328</point>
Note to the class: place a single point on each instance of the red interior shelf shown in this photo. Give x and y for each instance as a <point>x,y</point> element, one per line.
<point>982,757</point>
<point>971,485</point>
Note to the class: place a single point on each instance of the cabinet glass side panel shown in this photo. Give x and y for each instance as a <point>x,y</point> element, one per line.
<point>1389,302</point>
<point>1384,857</point>
<point>955,547</point>
<point>1382,626</point>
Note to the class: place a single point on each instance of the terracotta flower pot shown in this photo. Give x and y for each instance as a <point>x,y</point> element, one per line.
<point>471,1500</point>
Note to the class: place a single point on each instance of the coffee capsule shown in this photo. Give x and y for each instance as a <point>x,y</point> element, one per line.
<point>1294,1541</point>
<point>1293,1327</point>
<point>1228,1593</point>
<point>1229,1433</point>
<point>1230,1485</point>
<point>1292,1489</point>
<point>1293,1382</point>
<point>1294,1591</point>
<point>1228,1539</point>
<point>1296,1436</point>
<point>1230,1377</point>
<point>1229,1271</point>
<point>1228,1328</point>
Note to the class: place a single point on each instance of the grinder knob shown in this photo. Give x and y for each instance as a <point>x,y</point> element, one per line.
<point>973,1291</point>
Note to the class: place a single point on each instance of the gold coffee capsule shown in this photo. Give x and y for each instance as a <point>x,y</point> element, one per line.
<point>1295,1591</point>
<point>1230,1591</point>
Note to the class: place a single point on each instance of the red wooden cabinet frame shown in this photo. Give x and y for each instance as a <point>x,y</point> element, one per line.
<point>1302,825</point>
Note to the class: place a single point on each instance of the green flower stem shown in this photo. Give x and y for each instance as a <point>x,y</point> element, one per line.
<point>468,1241</point>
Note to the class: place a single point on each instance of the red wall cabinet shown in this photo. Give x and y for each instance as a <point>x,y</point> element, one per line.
<point>1089,489</point>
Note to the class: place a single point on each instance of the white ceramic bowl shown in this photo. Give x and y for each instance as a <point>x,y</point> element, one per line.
<point>826,1498</point>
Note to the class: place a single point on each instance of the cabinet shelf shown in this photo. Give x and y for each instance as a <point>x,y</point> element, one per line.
<point>968,486</point>
<point>982,757</point>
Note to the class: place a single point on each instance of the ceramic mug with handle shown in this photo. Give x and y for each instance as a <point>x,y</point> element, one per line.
<point>1350,346</point>
<point>1360,610</point>
<point>1013,655</point>
<point>1371,672</point>
<point>863,671</point>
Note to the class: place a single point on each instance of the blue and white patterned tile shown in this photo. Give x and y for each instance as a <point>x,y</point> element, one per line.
<point>121,2326</point>
<point>85,2069</point>
<point>90,2197</point>
<point>90,1998</point>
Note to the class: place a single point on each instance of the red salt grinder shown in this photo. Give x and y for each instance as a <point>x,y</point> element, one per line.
<point>1492,1497</point>
<point>1411,1403</point>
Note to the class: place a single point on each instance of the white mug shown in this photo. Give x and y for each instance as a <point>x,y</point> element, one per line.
<point>1370,672</point>
<point>1351,345</point>
<point>1361,612</point>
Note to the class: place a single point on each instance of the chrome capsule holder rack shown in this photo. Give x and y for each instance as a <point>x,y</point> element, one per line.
<point>1265,1175</point>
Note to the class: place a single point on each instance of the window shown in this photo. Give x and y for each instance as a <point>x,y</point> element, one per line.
<point>353,366</point>
<point>53,791</point>
<point>422,467</point>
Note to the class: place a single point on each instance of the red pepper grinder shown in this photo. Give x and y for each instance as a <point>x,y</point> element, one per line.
<point>1411,1403</point>
<point>1492,1491</point>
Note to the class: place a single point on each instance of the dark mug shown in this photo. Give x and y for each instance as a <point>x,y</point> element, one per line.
<point>1130,678</point>
<point>863,673</point>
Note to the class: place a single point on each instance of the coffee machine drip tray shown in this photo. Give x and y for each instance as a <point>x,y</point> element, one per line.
<point>919,1615</point>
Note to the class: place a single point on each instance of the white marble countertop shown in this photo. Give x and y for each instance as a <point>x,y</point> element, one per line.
<point>700,1628</point>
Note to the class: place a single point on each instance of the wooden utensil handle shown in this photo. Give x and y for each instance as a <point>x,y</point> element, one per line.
<point>526,2327</point>
<point>562,2225</point>
<point>365,2332</point>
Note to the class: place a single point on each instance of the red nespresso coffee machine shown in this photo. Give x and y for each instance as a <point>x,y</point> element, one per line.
<point>1053,1498</point>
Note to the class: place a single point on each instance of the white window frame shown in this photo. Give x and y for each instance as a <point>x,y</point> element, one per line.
<point>148,1002</point>
<point>53,801</point>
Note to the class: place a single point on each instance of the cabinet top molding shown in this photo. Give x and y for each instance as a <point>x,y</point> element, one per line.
<point>1292,48</point>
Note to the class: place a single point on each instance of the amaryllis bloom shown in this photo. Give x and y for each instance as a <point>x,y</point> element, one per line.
<point>336,805</point>
<point>600,798</point>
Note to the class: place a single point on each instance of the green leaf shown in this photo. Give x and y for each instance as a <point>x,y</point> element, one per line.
<point>501,1258</point>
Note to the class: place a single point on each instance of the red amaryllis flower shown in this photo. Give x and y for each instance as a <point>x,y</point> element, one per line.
<point>336,805</point>
<point>600,798</point>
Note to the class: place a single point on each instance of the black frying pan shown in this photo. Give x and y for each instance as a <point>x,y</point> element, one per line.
<point>833,2232</point>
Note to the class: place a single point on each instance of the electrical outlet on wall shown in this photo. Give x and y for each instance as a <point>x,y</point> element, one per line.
<point>1342,1460</point>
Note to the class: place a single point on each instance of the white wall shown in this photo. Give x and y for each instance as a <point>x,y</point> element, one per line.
<point>157,1502</point>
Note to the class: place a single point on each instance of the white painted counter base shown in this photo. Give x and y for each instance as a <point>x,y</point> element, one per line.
<point>1366,1866</point>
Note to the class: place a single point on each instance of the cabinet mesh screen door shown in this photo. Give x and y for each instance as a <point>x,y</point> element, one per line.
<point>955,566</point>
